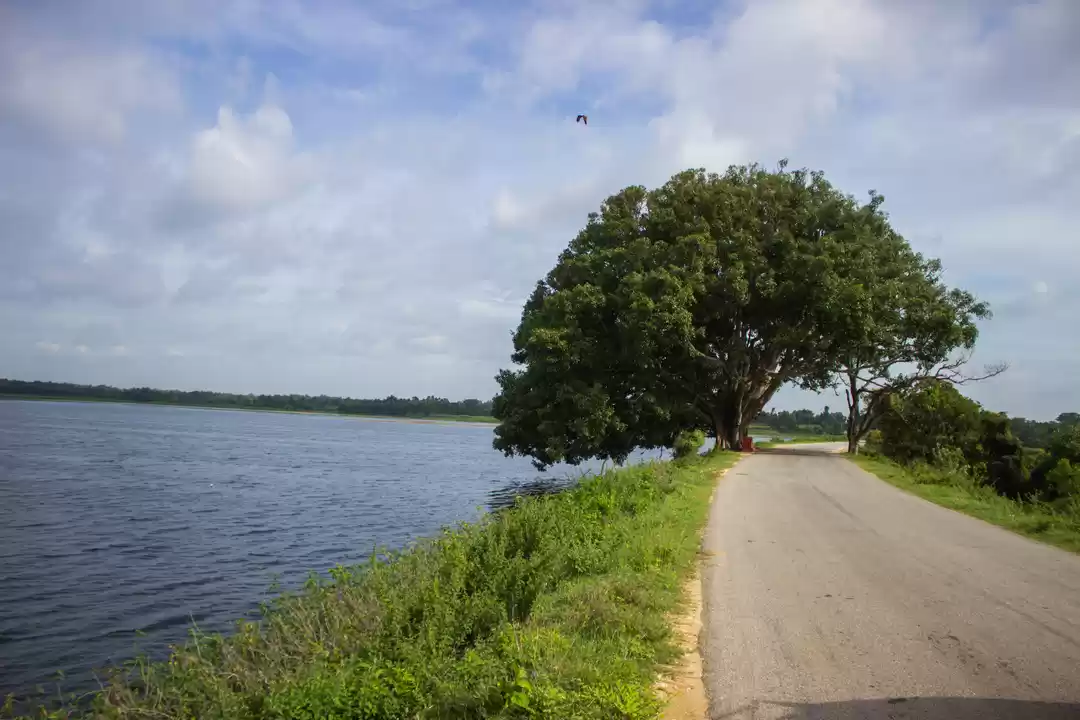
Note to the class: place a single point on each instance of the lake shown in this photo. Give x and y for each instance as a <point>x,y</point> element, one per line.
<point>122,524</point>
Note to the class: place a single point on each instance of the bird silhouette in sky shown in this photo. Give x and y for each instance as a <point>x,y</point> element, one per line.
<point>584,118</point>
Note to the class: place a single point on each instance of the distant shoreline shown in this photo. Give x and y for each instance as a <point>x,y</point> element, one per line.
<point>429,420</point>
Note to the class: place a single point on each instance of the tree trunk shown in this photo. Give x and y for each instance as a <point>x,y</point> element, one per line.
<point>721,433</point>
<point>728,426</point>
<point>853,400</point>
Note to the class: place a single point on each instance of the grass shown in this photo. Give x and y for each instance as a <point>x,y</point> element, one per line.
<point>1059,526</point>
<point>430,418</point>
<point>558,607</point>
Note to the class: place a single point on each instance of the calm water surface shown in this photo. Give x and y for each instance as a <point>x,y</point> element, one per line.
<point>118,519</point>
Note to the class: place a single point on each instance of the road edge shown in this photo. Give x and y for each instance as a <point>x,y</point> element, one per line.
<point>682,687</point>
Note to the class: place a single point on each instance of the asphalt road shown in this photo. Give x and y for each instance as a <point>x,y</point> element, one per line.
<point>831,594</point>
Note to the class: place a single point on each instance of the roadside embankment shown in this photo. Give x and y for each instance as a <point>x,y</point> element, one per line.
<point>561,606</point>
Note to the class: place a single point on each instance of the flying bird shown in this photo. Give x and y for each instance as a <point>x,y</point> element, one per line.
<point>584,118</point>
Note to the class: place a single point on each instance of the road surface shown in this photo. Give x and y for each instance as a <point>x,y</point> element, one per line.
<point>831,594</point>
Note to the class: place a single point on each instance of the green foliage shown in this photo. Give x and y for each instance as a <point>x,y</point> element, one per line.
<point>553,608</point>
<point>684,307</point>
<point>1064,479</point>
<point>933,416</point>
<point>803,421</point>
<point>1002,456</point>
<point>473,410</point>
<point>905,324</point>
<point>933,423</point>
<point>948,449</point>
<point>1036,434</point>
<point>688,443</point>
<point>1055,475</point>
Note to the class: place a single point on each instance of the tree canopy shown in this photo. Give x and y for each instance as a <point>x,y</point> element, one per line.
<point>688,306</point>
<point>903,323</point>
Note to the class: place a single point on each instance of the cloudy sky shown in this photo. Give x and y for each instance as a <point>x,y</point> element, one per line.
<point>321,196</point>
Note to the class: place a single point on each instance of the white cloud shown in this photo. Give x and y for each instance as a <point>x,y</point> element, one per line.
<point>243,164</point>
<point>49,347</point>
<point>373,221</point>
<point>430,342</point>
<point>493,308</point>
<point>80,94</point>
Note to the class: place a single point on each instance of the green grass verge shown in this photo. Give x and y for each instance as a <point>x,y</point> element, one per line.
<point>556,608</point>
<point>429,418</point>
<point>1039,521</point>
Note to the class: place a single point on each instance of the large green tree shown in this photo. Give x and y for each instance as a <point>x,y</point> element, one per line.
<point>688,307</point>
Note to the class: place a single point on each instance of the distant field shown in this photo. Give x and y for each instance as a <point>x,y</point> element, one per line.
<point>803,435</point>
<point>802,439</point>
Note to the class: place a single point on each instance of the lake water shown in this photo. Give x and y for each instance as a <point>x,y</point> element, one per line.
<point>125,519</point>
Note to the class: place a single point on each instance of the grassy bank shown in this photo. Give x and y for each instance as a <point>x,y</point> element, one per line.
<point>1058,526</point>
<point>556,608</point>
<point>255,408</point>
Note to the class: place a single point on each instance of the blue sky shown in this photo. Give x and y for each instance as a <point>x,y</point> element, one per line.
<point>354,198</point>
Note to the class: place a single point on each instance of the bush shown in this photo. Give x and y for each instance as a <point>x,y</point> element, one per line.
<point>933,415</point>
<point>1052,477</point>
<point>688,443</point>
<point>1064,479</point>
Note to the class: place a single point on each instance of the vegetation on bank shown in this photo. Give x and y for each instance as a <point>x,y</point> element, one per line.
<point>557,607</point>
<point>945,447</point>
<point>425,408</point>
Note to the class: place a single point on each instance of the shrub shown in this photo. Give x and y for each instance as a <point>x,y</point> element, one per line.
<point>1064,479</point>
<point>688,443</point>
<point>934,415</point>
<point>1051,477</point>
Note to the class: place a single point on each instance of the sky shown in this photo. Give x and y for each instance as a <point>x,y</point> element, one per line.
<point>355,198</point>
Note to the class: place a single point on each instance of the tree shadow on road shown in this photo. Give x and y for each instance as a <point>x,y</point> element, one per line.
<point>913,708</point>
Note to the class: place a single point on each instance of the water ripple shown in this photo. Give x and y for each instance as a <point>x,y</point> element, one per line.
<point>121,524</point>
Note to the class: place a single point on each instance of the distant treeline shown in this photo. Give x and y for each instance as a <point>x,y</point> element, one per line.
<point>1037,433</point>
<point>390,406</point>
<point>1032,433</point>
<point>822,423</point>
